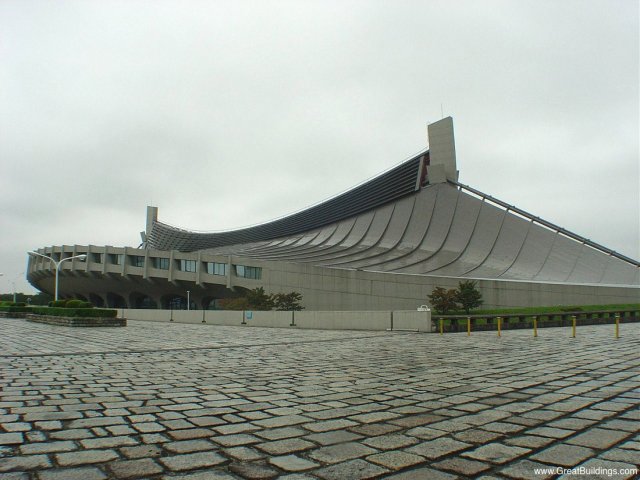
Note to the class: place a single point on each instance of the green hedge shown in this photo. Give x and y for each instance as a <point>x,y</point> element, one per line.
<point>75,312</point>
<point>14,309</point>
<point>70,303</point>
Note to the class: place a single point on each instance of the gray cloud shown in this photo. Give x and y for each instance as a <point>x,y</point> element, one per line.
<point>231,113</point>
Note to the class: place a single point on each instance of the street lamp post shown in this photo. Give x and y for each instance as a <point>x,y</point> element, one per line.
<point>57,264</point>
<point>13,284</point>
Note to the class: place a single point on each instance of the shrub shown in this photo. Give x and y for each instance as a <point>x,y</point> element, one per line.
<point>58,303</point>
<point>234,304</point>
<point>443,300</point>
<point>75,312</point>
<point>288,301</point>
<point>468,295</point>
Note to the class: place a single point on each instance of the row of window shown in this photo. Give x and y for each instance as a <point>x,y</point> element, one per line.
<point>212,268</point>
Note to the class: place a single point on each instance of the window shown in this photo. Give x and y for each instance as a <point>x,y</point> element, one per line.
<point>188,265</point>
<point>96,257</point>
<point>116,259</point>
<point>214,268</point>
<point>254,273</point>
<point>160,263</point>
<point>136,260</point>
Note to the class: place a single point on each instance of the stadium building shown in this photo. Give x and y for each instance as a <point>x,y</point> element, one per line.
<point>383,245</point>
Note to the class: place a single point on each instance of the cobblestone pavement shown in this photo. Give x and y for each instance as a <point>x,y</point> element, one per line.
<point>165,401</point>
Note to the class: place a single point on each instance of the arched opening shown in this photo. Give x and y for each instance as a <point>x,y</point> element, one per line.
<point>97,300</point>
<point>174,302</point>
<point>140,300</point>
<point>116,301</point>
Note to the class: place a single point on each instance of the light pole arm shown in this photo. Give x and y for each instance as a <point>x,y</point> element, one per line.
<point>57,264</point>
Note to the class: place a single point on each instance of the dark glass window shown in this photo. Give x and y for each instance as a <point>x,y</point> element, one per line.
<point>214,268</point>
<point>188,265</point>
<point>244,271</point>
<point>161,263</point>
<point>137,260</point>
<point>116,259</point>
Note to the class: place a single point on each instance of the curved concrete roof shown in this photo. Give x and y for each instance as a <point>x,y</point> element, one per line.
<point>443,231</point>
<point>439,230</point>
<point>391,185</point>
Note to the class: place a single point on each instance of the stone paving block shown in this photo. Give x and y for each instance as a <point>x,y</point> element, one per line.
<point>47,447</point>
<point>599,438</point>
<point>525,470</point>
<point>254,470</point>
<point>189,446</point>
<point>622,455</point>
<point>85,457</point>
<point>423,473</point>
<point>206,475</point>
<point>16,427</point>
<point>288,445</point>
<point>96,422</point>
<point>529,441</point>
<point>135,468</point>
<point>326,425</point>
<point>477,436</point>
<point>416,420</point>
<point>236,440</point>
<point>284,421</point>
<point>426,433</point>
<point>149,427</point>
<point>437,448</point>
<point>245,454</point>
<point>191,461</point>
<point>108,442</point>
<point>564,455</point>
<point>25,462</point>
<point>14,438</point>
<point>341,452</point>
<point>280,433</point>
<point>141,451</point>
<point>206,421</point>
<point>626,425</point>
<point>82,473</point>
<point>462,466</point>
<point>496,453</point>
<point>48,425</point>
<point>332,437</point>
<point>120,430</point>
<point>353,470</point>
<point>390,442</point>
<point>373,429</point>
<point>598,469</point>
<point>550,432</point>
<point>395,460</point>
<point>503,427</point>
<point>292,463</point>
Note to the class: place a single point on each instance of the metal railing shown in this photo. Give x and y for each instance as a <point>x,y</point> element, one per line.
<point>534,320</point>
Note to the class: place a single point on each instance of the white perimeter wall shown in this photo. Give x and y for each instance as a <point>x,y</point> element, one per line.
<point>323,320</point>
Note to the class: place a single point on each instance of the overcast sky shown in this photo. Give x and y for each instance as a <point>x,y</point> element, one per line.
<point>225,114</point>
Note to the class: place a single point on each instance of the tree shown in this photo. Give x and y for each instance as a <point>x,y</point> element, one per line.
<point>259,300</point>
<point>234,304</point>
<point>288,301</point>
<point>468,295</point>
<point>443,300</point>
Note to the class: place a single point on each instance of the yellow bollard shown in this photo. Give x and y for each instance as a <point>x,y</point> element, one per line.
<point>441,326</point>
<point>617,325</point>
<point>573,326</point>
<point>499,326</point>
<point>468,326</point>
<point>535,327</point>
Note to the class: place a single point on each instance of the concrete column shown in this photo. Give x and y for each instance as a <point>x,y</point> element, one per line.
<point>442,152</point>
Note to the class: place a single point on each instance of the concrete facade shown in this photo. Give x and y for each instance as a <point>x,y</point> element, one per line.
<point>384,245</point>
